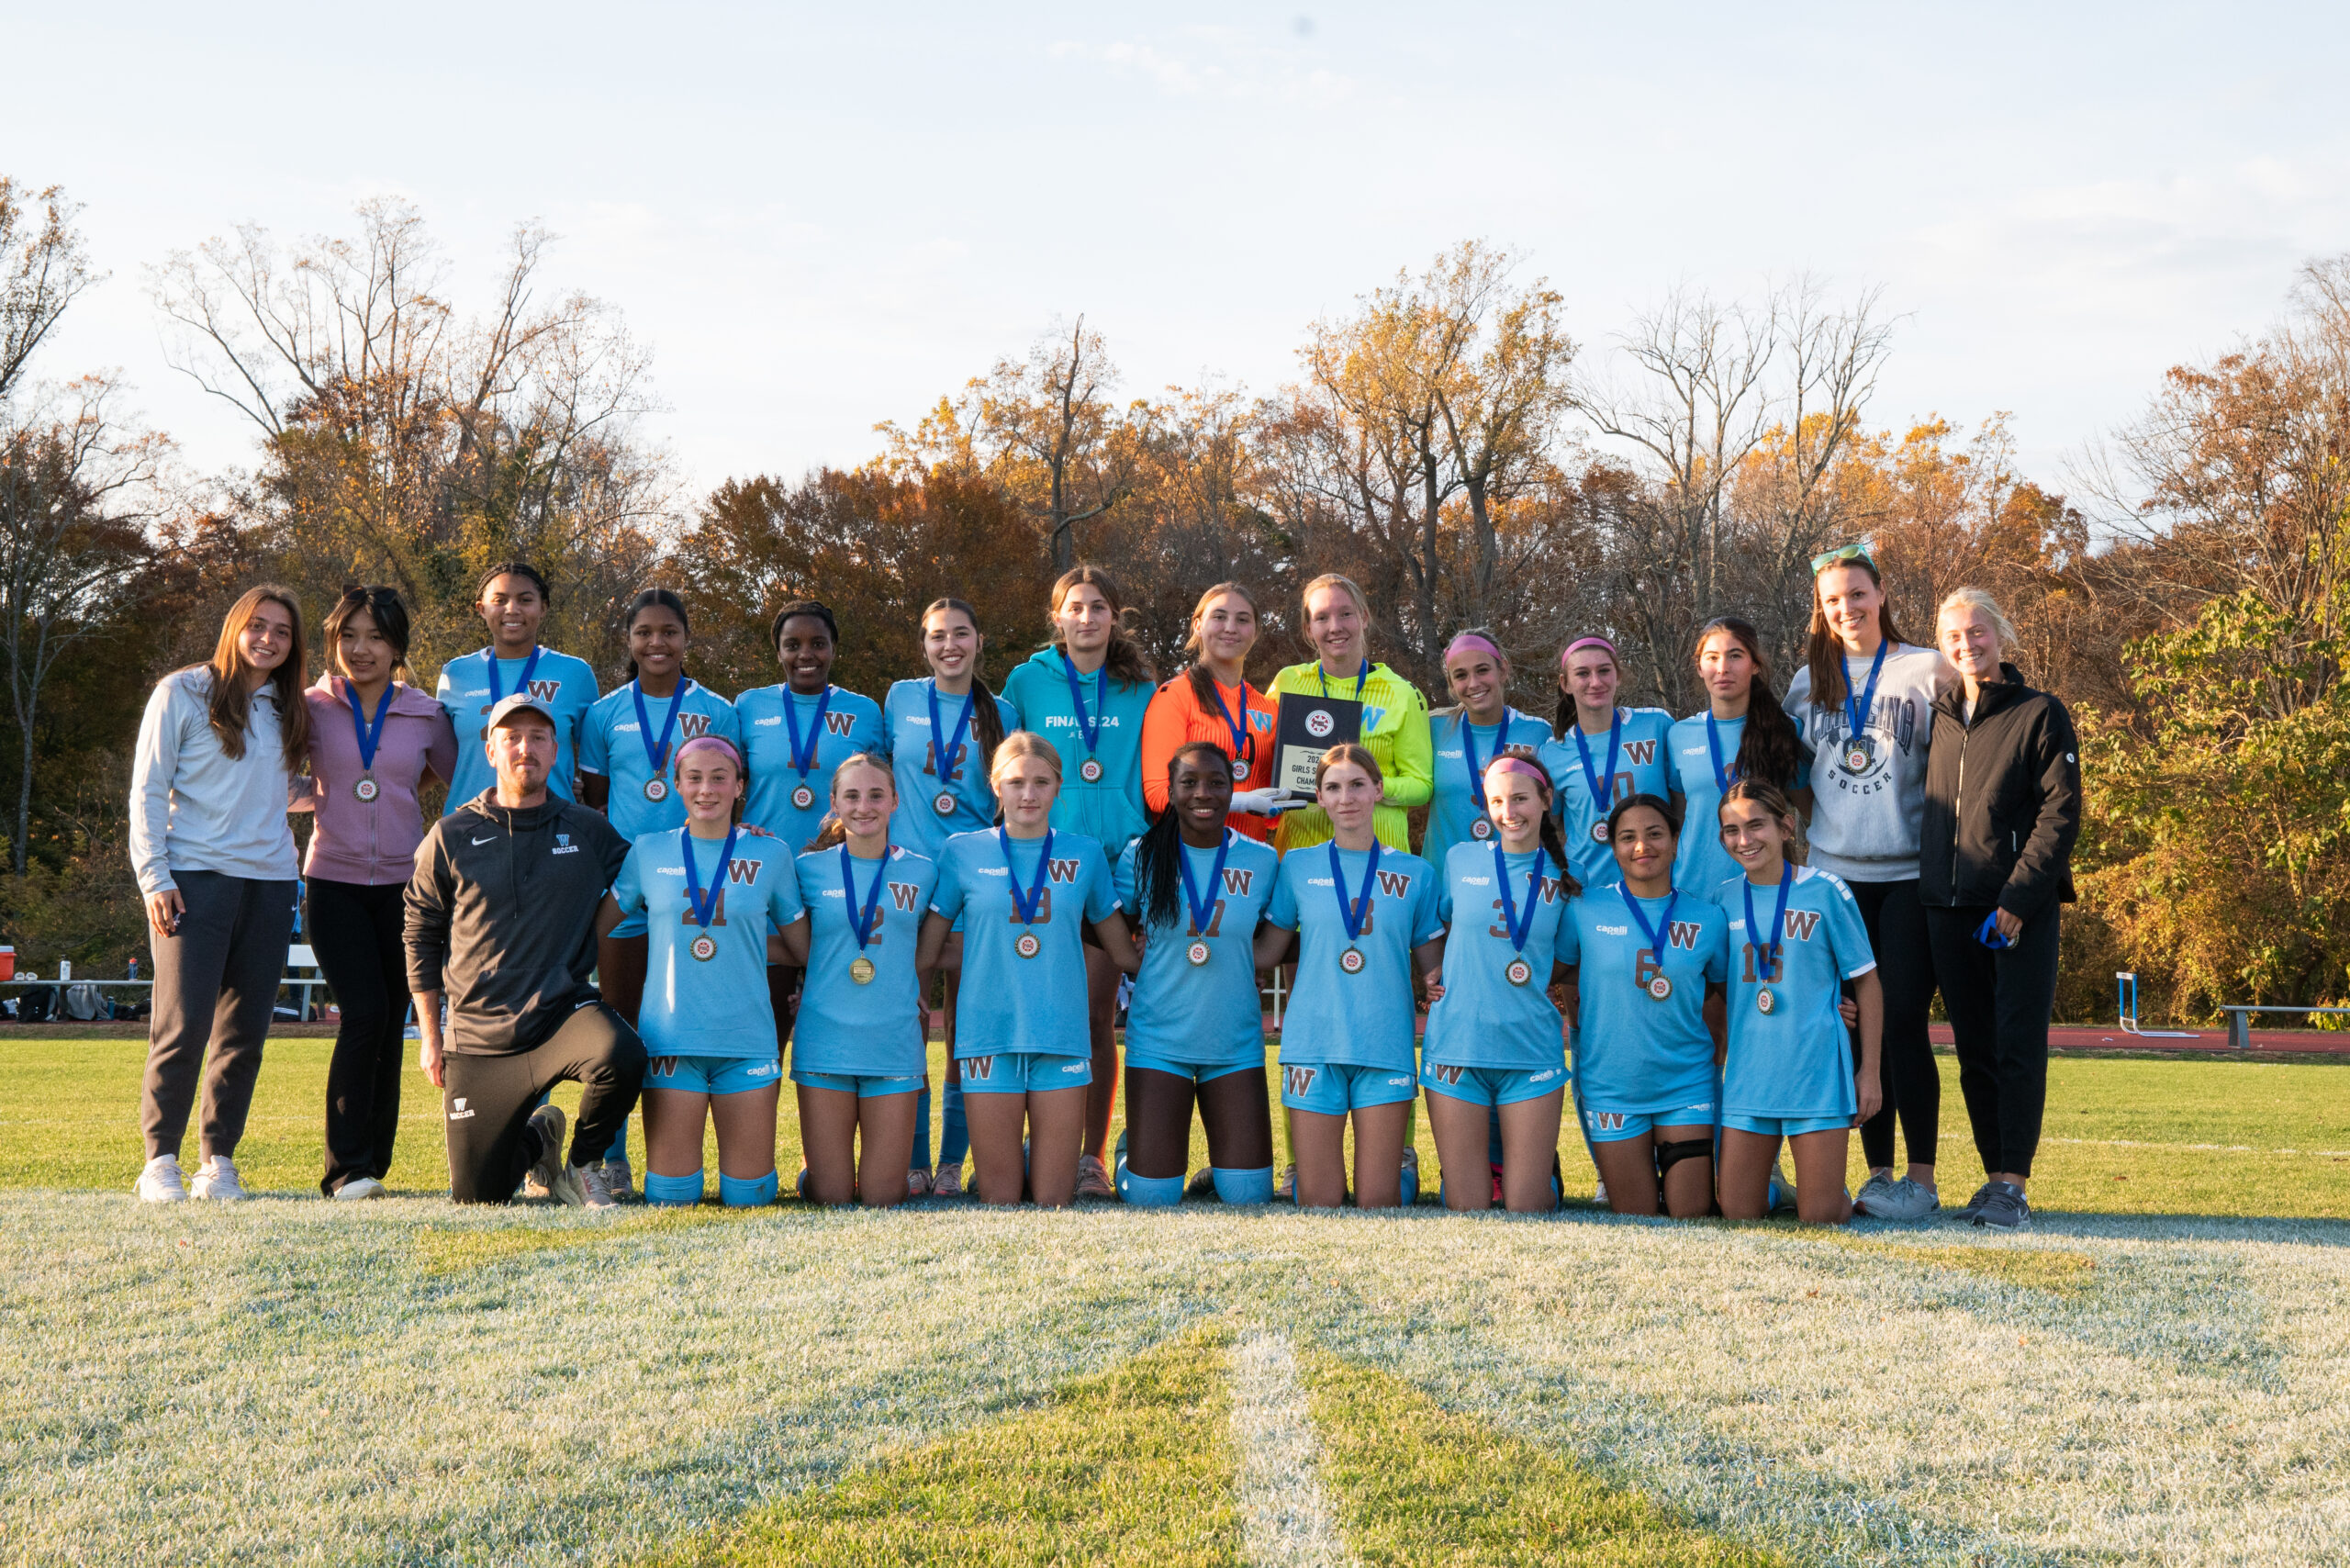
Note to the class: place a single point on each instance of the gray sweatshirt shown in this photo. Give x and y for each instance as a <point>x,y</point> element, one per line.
<point>501,915</point>
<point>1865,819</point>
<point>195,808</point>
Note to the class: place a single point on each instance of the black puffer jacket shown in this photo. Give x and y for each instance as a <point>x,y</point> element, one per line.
<point>2003,801</point>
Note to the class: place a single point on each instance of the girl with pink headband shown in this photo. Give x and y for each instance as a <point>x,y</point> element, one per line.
<point>1599,754</point>
<point>1495,1045</point>
<point>1478,727</point>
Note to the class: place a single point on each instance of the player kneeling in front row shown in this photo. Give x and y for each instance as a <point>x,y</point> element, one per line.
<point>1196,1027</point>
<point>1495,1038</point>
<point>709,893</point>
<point>1796,934</point>
<point>501,915</point>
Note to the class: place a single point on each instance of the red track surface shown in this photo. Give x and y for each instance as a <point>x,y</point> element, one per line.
<point>2307,1042</point>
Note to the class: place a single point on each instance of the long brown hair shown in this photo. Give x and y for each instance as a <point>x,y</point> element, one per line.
<point>987,724</point>
<point>1125,662</point>
<point>1203,679</point>
<point>1773,799</point>
<point>1552,838</point>
<point>1823,655</point>
<point>230,707</point>
<point>1769,749</point>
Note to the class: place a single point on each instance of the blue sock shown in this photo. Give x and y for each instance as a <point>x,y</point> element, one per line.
<point>1243,1187</point>
<point>746,1192</point>
<point>659,1189</point>
<point>920,1158</point>
<point>619,1148</point>
<point>954,1137</point>
<point>1411,1185</point>
<point>1149,1191</point>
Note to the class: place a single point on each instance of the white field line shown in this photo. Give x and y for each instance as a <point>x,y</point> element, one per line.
<point>1285,1517</point>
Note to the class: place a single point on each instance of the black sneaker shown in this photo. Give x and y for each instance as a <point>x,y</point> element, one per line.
<point>2004,1208</point>
<point>1974,1204</point>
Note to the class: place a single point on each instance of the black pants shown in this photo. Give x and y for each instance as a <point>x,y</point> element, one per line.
<point>354,928</point>
<point>489,1101</point>
<point>215,983</point>
<point>1905,968</point>
<point>1999,1004</point>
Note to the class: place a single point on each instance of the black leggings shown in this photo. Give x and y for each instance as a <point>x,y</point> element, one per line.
<point>1905,968</point>
<point>488,1100</point>
<point>354,929</point>
<point>2000,1005</point>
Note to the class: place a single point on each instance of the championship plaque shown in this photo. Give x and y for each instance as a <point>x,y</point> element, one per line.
<point>1305,728</point>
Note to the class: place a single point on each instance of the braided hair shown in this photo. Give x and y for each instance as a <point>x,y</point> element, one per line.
<point>1158,871</point>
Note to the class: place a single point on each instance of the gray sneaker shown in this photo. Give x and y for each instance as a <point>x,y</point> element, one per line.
<point>594,1186</point>
<point>1905,1199</point>
<point>2005,1209</point>
<point>1878,1185</point>
<point>620,1179</point>
<point>1974,1204</point>
<point>550,1173</point>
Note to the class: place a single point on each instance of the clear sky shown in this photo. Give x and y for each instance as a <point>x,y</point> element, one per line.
<point>819,217</point>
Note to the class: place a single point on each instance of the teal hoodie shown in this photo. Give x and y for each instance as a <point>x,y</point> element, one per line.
<point>1110,809</point>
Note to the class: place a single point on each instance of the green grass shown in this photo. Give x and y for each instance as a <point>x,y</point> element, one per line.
<point>1129,1465</point>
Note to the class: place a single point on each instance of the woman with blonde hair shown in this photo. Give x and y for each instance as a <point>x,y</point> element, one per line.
<point>1336,625</point>
<point>1212,702</point>
<point>2003,809</point>
<point>211,778</point>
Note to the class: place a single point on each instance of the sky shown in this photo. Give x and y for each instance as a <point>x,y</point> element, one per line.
<point>818,218</point>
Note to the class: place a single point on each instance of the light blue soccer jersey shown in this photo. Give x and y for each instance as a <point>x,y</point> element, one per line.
<point>1640,769</point>
<point>567,686</point>
<point>1362,1019</point>
<point>716,1006</point>
<point>1457,805</point>
<point>1482,1020</point>
<point>1634,1053</point>
<point>1700,861</point>
<point>1203,1014</point>
<point>1797,1059</point>
<point>905,716</point>
<point>1109,810</point>
<point>612,744</point>
<point>852,723</point>
<point>876,1029</point>
<point>1010,1002</point>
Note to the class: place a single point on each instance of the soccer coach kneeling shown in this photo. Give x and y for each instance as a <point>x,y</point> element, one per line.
<point>501,914</point>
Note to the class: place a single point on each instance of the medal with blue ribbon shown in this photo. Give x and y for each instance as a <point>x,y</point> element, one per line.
<point>803,757</point>
<point>1859,749</point>
<point>1352,910</point>
<point>496,696</point>
<point>1714,746</point>
<point>1603,792</point>
<point>1203,911</point>
<point>1518,972</point>
<point>1766,954</point>
<point>1659,985</point>
<point>1088,726</point>
<point>370,735</point>
<point>1482,826</point>
<point>656,789</point>
<point>1244,744</point>
<point>943,757</point>
<point>699,910</point>
<point>860,969</point>
<point>1025,911</point>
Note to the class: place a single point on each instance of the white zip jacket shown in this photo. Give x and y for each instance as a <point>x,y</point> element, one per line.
<point>194,807</point>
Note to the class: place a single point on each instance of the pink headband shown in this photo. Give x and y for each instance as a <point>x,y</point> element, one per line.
<point>1519,765</point>
<point>720,742</point>
<point>1468,640</point>
<point>1568,651</point>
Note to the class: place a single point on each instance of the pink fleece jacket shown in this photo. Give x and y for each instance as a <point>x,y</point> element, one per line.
<point>372,842</point>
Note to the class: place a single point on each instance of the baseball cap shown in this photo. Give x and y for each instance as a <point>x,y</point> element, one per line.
<point>520,703</point>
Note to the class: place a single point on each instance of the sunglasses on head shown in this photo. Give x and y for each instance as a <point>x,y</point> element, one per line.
<point>1840,554</point>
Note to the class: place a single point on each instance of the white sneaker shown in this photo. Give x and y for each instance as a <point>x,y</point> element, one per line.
<point>1599,1193</point>
<point>1904,1200</point>
<point>216,1179</point>
<point>359,1187</point>
<point>161,1181</point>
<point>593,1186</point>
<point>620,1179</point>
<point>550,1174</point>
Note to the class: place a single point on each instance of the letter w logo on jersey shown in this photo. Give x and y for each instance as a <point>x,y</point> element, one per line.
<point>1801,923</point>
<point>693,726</point>
<point>1064,870</point>
<point>1553,888</point>
<point>545,691</point>
<point>839,724</point>
<point>1299,1080</point>
<point>1683,935</point>
<point>906,896</point>
<point>1395,884</point>
<point>1639,753</point>
<point>742,872</point>
<point>1236,883</point>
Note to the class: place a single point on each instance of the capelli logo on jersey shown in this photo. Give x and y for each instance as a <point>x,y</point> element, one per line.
<point>1476,882</point>
<point>763,723</point>
<point>1395,884</point>
<point>1236,883</point>
<point>1065,870</point>
<point>1299,1080</point>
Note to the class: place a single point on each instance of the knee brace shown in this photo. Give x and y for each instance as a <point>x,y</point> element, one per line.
<point>1243,1186</point>
<point>746,1192</point>
<point>668,1190</point>
<point>1669,1154</point>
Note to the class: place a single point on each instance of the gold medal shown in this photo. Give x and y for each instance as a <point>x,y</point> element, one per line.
<point>705,948</point>
<point>861,970</point>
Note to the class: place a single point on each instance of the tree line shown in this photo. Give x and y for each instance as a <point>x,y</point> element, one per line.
<point>1445,441</point>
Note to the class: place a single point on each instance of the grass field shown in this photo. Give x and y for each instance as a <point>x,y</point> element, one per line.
<point>2155,1375</point>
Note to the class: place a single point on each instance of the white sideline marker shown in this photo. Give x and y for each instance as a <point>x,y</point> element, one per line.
<point>1285,1517</point>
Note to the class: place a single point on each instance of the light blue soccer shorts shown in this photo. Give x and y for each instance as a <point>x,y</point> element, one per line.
<point>1603,1126</point>
<point>1787,1126</point>
<point>1023,1073</point>
<point>1196,1072</point>
<point>1491,1085</point>
<point>712,1075</point>
<point>865,1086</point>
<point>1332,1089</point>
